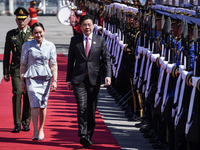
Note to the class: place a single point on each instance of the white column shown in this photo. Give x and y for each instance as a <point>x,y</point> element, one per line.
<point>187,1</point>
<point>176,2</point>
<point>11,8</point>
<point>44,5</point>
<point>195,2</point>
<point>63,2</point>
<point>59,3</point>
<point>164,2</point>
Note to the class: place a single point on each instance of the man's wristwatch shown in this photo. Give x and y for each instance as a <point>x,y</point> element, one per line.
<point>54,80</point>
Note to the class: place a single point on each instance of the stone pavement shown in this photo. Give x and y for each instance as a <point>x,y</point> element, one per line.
<point>128,137</point>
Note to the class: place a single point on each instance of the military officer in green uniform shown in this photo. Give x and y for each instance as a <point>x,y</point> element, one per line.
<point>14,40</point>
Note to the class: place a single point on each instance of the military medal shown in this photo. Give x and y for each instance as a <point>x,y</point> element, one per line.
<point>30,38</point>
<point>14,40</point>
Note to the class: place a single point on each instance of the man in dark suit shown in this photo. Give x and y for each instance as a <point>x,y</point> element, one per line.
<point>14,40</point>
<point>86,52</point>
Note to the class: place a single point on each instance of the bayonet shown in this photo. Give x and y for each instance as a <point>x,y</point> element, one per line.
<point>153,22</point>
<point>197,11</point>
<point>120,14</point>
<point>195,33</point>
<point>162,22</point>
<point>147,6</point>
<point>109,10</point>
<point>124,17</point>
<point>185,32</point>
<point>114,10</point>
<point>168,25</point>
<point>162,25</point>
<point>186,48</point>
<point>176,3</point>
<point>145,17</point>
<point>149,28</point>
<point>195,39</point>
<point>153,37</point>
<point>149,20</point>
<point>182,25</point>
<point>167,39</point>
<point>140,17</point>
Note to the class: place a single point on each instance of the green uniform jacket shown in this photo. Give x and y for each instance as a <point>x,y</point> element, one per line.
<point>14,43</point>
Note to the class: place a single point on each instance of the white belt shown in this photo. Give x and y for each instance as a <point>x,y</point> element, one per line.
<point>179,111</point>
<point>165,97</point>
<point>160,79</point>
<point>146,72</point>
<point>141,71</point>
<point>148,81</point>
<point>189,123</point>
<point>176,94</point>
<point>118,67</point>
<point>33,18</point>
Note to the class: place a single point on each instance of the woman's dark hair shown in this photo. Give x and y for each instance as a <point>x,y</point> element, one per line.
<point>85,17</point>
<point>36,25</point>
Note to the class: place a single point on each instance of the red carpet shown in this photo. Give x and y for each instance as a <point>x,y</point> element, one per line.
<point>61,129</point>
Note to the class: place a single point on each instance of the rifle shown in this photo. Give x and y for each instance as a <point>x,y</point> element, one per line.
<point>154,38</point>
<point>163,32</point>
<point>167,39</point>
<point>122,23</point>
<point>186,48</point>
<point>149,30</point>
<point>141,29</point>
<point>171,48</point>
<point>183,36</point>
<point>114,19</point>
<point>145,30</point>
<point>196,51</point>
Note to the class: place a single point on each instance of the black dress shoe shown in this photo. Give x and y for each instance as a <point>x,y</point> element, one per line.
<point>134,118</point>
<point>25,128</point>
<point>145,129</point>
<point>150,134</point>
<point>125,107</point>
<point>17,128</point>
<point>159,145</point>
<point>91,142</point>
<point>153,140</point>
<point>166,148</point>
<point>141,125</point>
<point>84,141</point>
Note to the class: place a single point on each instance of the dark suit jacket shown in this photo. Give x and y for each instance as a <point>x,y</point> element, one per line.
<point>79,64</point>
<point>14,43</point>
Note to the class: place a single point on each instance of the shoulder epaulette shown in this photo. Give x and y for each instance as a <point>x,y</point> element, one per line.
<point>136,36</point>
